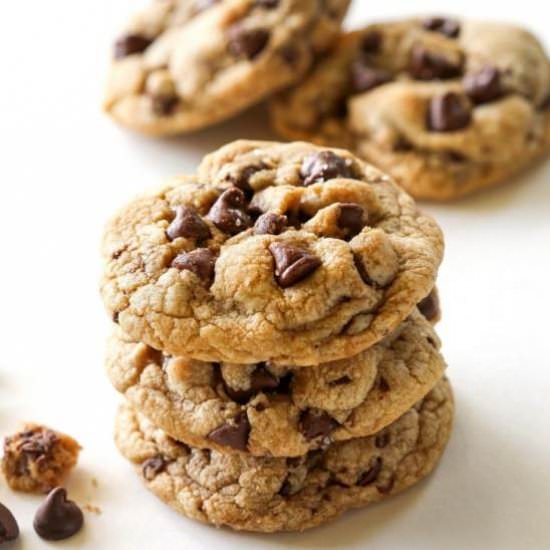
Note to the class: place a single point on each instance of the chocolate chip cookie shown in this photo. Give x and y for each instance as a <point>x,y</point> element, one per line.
<point>288,494</point>
<point>446,107</point>
<point>269,410</point>
<point>185,64</point>
<point>287,253</point>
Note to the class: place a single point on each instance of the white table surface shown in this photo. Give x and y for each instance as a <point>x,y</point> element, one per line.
<point>64,168</point>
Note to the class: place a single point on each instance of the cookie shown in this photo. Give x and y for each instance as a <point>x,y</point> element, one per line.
<point>267,410</point>
<point>181,65</point>
<point>446,107</point>
<point>38,459</point>
<point>288,494</point>
<point>286,253</point>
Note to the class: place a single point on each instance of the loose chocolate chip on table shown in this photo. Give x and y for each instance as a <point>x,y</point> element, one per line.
<point>270,224</point>
<point>292,264</point>
<point>247,42</point>
<point>200,261</point>
<point>229,213</point>
<point>189,224</point>
<point>365,78</point>
<point>324,166</point>
<point>234,435</point>
<point>164,105</point>
<point>130,44</point>
<point>316,425</point>
<point>484,85</point>
<point>429,306</point>
<point>58,518</point>
<point>427,65</point>
<point>9,530</point>
<point>351,218</point>
<point>152,467</point>
<point>371,42</point>
<point>449,112</point>
<point>446,26</point>
<point>371,475</point>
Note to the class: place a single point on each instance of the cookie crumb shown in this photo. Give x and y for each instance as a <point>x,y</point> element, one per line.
<point>92,509</point>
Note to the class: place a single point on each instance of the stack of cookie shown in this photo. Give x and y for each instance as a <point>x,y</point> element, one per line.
<point>274,337</point>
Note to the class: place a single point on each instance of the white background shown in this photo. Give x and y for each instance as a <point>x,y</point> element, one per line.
<point>64,168</point>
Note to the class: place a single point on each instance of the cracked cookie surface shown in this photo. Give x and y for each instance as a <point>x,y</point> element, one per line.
<point>445,106</point>
<point>181,65</point>
<point>294,494</point>
<point>272,252</point>
<point>267,410</point>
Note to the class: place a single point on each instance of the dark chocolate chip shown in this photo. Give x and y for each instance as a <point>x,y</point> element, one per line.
<point>260,380</point>
<point>130,44</point>
<point>152,467</point>
<point>164,105</point>
<point>247,43</point>
<point>429,306</point>
<point>365,78</point>
<point>58,518</point>
<point>362,270</point>
<point>448,112</point>
<point>268,4</point>
<point>292,264</point>
<point>448,27</point>
<point>324,166</point>
<point>286,489</point>
<point>314,425</point>
<point>428,65</point>
<point>116,315</point>
<point>545,104</point>
<point>371,475</point>
<point>383,385</point>
<point>242,179</point>
<point>270,224</point>
<point>402,145</point>
<point>9,530</point>
<point>189,224</point>
<point>382,440</point>
<point>351,218</point>
<point>229,212</point>
<point>234,435</point>
<point>371,42</point>
<point>483,85</point>
<point>200,261</point>
<point>342,381</point>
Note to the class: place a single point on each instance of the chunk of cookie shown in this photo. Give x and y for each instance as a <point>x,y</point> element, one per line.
<point>347,260</point>
<point>38,459</point>
<point>181,65</point>
<point>288,494</point>
<point>269,410</point>
<point>446,110</point>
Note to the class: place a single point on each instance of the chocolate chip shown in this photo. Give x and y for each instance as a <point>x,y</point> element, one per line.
<point>290,54</point>
<point>365,78</point>
<point>387,487</point>
<point>292,264</point>
<point>242,179</point>
<point>371,475</point>
<point>382,440</point>
<point>164,105</point>
<point>234,435</point>
<point>260,380</point>
<point>351,218</point>
<point>448,27</point>
<point>152,467</point>
<point>427,65</point>
<point>545,104</point>
<point>362,271</point>
<point>229,213</point>
<point>429,306</point>
<point>268,4</point>
<point>58,518</point>
<point>324,166</point>
<point>342,381</point>
<point>483,85</point>
<point>247,42</point>
<point>270,224</point>
<point>448,112</point>
<point>9,530</point>
<point>371,42</point>
<point>383,385</point>
<point>314,425</point>
<point>130,44</point>
<point>189,224</point>
<point>200,261</point>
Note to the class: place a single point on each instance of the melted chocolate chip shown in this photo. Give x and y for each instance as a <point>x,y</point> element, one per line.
<point>351,218</point>
<point>131,44</point>
<point>234,435</point>
<point>270,224</point>
<point>247,43</point>
<point>229,212</point>
<point>58,518</point>
<point>428,65</point>
<point>316,425</point>
<point>448,112</point>
<point>9,530</point>
<point>188,224</point>
<point>382,440</point>
<point>371,475</point>
<point>164,105</point>
<point>200,261</point>
<point>292,264</point>
<point>152,467</point>
<point>365,78</point>
<point>324,166</point>
<point>429,306</point>
<point>371,42</point>
<point>483,85</point>
<point>448,27</point>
